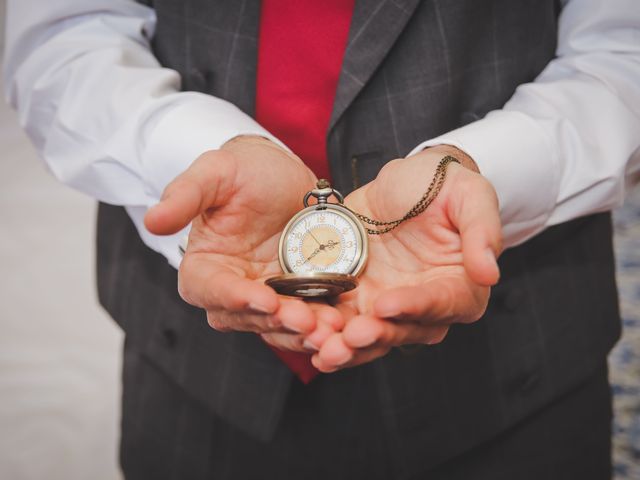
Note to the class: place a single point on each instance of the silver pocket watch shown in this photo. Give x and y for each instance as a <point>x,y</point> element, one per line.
<point>322,249</point>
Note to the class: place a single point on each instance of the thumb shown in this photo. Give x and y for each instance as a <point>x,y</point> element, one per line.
<point>474,212</point>
<point>189,194</point>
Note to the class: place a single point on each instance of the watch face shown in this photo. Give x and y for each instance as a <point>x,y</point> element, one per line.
<point>329,240</point>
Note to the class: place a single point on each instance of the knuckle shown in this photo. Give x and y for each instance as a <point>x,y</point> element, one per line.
<point>261,324</point>
<point>256,323</point>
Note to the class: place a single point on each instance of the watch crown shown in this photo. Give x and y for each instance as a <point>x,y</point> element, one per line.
<point>323,183</point>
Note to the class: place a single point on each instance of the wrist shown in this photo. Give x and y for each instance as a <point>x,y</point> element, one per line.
<point>240,143</point>
<point>465,160</point>
<point>249,142</point>
<point>248,138</point>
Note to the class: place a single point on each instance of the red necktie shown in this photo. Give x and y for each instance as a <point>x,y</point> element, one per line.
<point>300,50</point>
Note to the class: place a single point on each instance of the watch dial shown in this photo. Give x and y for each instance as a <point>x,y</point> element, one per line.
<point>322,241</point>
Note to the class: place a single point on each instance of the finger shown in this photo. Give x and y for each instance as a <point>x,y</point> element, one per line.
<point>443,300</point>
<point>292,318</point>
<point>316,339</point>
<point>296,316</point>
<point>298,342</point>
<point>210,285</point>
<point>474,212</point>
<point>347,310</point>
<point>333,354</point>
<point>326,321</point>
<point>360,357</point>
<point>285,341</point>
<point>367,331</point>
<point>198,188</point>
<point>328,314</point>
<point>225,321</point>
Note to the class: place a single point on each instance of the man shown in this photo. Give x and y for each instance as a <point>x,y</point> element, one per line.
<point>349,86</point>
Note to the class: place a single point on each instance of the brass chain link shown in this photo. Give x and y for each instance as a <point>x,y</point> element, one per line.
<point>429,196</point>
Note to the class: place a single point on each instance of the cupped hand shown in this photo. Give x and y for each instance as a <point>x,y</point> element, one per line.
<point>433,270</point>
<point>238,199</point>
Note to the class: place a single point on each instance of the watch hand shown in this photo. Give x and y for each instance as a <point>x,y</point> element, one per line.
<point>330,244</point>
<point>315,252</point>
<point>314,237</point>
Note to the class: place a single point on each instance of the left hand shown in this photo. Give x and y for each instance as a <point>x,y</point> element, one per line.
<point>234,237</point>
<point>431,271</point>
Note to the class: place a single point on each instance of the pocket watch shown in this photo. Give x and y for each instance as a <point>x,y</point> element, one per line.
<point>322,249</point>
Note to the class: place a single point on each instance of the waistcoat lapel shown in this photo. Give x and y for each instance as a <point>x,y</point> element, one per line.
<point>374,29</point>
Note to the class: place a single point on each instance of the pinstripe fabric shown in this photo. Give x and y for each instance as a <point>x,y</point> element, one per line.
<point>180,439</point>
<point>412,70</point>
<point>366,47</point>
<point>234,374</point>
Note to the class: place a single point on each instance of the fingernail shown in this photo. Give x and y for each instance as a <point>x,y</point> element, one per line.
<point>310,346</point>
<point>292,329</point>
<point>256,307</point>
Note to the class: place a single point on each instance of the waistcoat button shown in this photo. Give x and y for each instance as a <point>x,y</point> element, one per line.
<point>169,337</point>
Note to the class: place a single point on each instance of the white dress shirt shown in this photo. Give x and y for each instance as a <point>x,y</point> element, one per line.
<point>110,121</point>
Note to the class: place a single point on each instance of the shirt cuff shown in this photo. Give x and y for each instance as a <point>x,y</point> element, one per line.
<point>182,132</point>
<point>515,155</point>
<point>166,245</point>
<point>185,130</point>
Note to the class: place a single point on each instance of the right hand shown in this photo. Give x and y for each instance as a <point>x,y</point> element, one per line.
<point>433,271</point>
<point>239,199</point>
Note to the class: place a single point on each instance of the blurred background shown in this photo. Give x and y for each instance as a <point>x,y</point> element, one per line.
<point>60,353</point>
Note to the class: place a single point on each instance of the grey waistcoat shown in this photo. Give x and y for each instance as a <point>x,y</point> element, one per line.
<point>412,70</point>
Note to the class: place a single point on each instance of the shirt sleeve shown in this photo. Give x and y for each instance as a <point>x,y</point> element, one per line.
<point>104,115</point>
<point>564,145</point>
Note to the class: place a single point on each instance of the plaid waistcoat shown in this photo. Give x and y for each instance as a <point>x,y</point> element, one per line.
<point>412,70</point>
